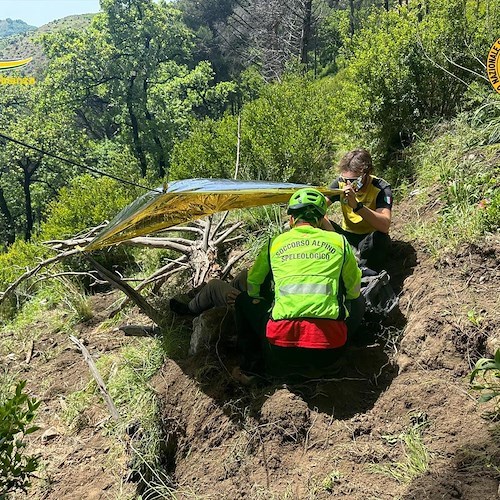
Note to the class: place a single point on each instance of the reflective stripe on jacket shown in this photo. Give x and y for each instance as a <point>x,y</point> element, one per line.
<point>313,270</point>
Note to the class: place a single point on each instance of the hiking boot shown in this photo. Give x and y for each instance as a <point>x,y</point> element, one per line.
<point>180,308</point>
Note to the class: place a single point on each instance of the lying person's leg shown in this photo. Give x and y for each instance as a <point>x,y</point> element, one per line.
<point>240,281</point>
<point>215,293</point>
<point>374,250</point>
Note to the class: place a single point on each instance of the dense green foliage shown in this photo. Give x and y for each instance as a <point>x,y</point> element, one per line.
<point>393,78</point>
<point>149,90</point>
<point>20,256</point>
<point>17,413</point>
<point>85,203</point>
<point>153,91</point>
<point>281,132</point>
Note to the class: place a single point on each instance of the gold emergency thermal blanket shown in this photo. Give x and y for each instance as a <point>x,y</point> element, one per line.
<point>191,199</point>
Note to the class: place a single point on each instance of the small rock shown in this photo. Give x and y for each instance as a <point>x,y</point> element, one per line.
<point>404,362</point>
<point>208,326</point>
<point>49,434</point>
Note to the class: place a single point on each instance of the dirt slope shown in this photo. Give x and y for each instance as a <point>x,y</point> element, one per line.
<point>315,439</point>
<point>80,462</point>
<point>322,438</point>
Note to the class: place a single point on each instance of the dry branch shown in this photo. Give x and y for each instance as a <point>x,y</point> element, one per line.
<point>77,241</point>
<point>206,234</point>
<point>182,229</point>
<point>140,331</point>
<point>97,377</point>
<point>228,232</point>
<point>157,277</point>
<point>199,255</point>
<point>32,272</point>
<point>29,352</point>
<point>47,276</point>
<point>231,262</point>
<point>64,244</point>
<point>145,241</point>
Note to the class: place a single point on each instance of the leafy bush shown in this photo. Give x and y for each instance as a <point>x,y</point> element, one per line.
<point>210,151</point>
<point>87,202</point>
<point>14,262</point>
<point>492,212</point>
<point>486,378</point>
<point>290,133</point>
<point>16,417</point>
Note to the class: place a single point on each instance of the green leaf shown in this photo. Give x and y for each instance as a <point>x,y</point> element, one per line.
<point>487,397</point>
<point>497,357</point>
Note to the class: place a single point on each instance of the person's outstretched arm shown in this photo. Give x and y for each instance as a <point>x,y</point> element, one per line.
<point>258,272</point>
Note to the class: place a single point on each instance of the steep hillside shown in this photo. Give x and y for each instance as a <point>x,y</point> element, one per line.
<point>397,422</point>
<point>22,45</point>
<point>9,27</point>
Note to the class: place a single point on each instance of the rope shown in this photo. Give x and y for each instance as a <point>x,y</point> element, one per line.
<point>72,162</point>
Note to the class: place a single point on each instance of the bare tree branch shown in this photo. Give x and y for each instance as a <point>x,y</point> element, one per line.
<point>97,377</point>
<point>146,241</point>
<point>231,263</point>
<point>229,231</point>
<point>8,291</point>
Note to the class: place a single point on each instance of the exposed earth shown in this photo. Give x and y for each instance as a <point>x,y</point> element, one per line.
<point>402,401</point>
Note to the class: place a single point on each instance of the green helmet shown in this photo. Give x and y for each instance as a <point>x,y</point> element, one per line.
<point>307,201</point>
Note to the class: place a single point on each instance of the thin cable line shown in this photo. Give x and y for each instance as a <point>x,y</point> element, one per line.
<point>72,162</point>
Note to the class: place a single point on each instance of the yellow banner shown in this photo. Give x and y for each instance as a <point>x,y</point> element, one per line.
<point>4,65</point>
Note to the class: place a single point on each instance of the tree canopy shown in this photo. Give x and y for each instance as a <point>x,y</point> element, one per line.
<point>152,91</point>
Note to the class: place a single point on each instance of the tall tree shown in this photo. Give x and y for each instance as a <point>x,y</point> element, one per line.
<point>114,72</point>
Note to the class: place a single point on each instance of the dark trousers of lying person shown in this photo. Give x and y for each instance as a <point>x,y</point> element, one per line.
<point>373,247</point>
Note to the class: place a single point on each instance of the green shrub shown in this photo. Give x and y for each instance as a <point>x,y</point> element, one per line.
<point>85,203</point>
<point>16,418</point>
<point>485,378</point>
<point>491,215</point>
<point>20,256</point>
<point>288,134</point>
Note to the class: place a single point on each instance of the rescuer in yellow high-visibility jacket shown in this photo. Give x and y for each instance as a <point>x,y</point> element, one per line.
<point>366,204</point>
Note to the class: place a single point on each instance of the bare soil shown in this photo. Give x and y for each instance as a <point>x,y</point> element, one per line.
<point>321,438</point>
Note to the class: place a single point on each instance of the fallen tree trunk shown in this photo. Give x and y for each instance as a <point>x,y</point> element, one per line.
<point>136,297</point>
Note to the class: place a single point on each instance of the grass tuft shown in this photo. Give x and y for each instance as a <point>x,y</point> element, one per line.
<point>416,457</point>
<point>456,168</point>
<point>415,463</point>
